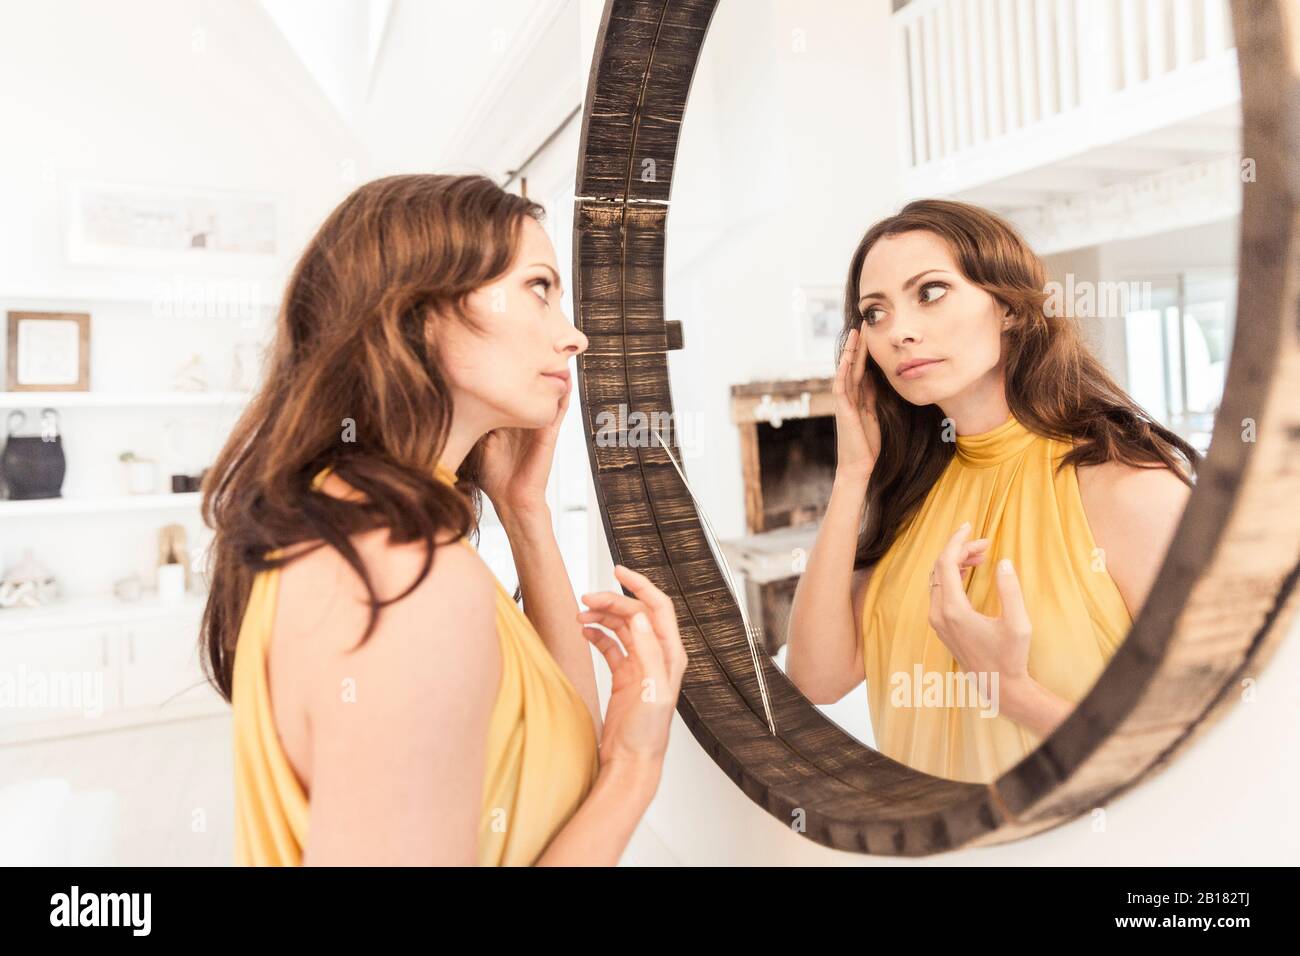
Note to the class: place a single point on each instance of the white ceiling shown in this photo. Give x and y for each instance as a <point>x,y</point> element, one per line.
<point>406,76</point>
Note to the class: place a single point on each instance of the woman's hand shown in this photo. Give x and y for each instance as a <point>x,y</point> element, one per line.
<point>647,670</point>
<point>992,645</point>
<point>981,644</point>
<point>857,430</point>
<point>517,463</point>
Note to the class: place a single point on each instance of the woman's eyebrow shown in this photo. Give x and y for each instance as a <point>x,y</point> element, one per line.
<point>906,285</point>
<point>559,286</point>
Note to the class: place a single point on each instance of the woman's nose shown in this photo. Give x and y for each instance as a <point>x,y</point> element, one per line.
<point>576,343</point>
<point>905,329</point>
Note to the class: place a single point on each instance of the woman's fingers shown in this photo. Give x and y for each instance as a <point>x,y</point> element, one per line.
<point>607,646</point>
<point>1014,613</point>
<point>662,615</point>
<point>614,622</point>
<point>947,567</point>
<point>649,656</point>
<point>618,603</point>
<point>859,363</point>
<point>840,386</point>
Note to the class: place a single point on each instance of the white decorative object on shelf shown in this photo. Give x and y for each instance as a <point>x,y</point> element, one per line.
<point>192,376</point>
<point>28,584</point>
<point>171,583</point>
<point>141,474</point>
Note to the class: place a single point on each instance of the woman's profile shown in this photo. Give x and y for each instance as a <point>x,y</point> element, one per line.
<point>972,422</point>
<point>392,704</point>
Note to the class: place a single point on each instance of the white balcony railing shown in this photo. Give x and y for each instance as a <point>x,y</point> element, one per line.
<point>974,72</point>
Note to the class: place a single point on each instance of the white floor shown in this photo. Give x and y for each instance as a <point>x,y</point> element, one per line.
<point>160,794</point>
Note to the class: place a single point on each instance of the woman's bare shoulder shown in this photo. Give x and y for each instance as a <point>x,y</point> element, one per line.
<point>399,722</point>
<point>1133,512</point>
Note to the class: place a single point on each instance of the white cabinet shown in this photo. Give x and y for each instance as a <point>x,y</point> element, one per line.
<point>160,666</point>
<point>86,667</point>
<point>62,675</point>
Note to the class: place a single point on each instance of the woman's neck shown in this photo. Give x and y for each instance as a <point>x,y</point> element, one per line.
<point>978,409</point>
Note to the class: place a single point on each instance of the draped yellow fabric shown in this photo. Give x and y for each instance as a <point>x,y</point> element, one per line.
<point>541,744</point>
<point>1001,481</point>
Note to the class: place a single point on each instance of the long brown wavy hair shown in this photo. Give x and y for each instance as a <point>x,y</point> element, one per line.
<point>1055,387</point>
<point>353,381</point>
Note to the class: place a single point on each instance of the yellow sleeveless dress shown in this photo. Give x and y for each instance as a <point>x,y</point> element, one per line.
<point>541,744</point>
<point>1001,481</point>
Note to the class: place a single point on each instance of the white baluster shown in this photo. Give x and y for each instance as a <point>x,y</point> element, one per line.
<point>933,140</point>
<point>990,35</point>
<point>1157,38</point>
<point>1184,33</point>
<point>978,68</point>
<point>947,96</point>
<point>1216,26</point>
<point>961,72</point>
<point>1029,106</point>
<point>920,142</point>
<point>1067,43</point>
<point>1048,103</point>
<point>1007,57</point>
<point>1098,45</point>
<point>1130,31</point>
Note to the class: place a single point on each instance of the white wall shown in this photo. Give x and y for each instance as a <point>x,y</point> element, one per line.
<point>149,92</point>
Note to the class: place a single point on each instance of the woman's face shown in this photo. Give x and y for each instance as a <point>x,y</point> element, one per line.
<point>515,374</point>
<point>917,305</point>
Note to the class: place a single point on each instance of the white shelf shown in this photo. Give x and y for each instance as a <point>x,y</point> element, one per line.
<point>120,399</point>
<point>106,504</point>
<point>94,610</point>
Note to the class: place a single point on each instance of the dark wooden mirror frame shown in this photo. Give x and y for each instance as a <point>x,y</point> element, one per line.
<point>1223,599</point>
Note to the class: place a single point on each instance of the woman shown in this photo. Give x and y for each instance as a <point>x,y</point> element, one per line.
<point>972,421</point>
<point>391,703</point>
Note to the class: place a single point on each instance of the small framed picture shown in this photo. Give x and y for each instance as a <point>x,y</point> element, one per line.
<point>822,320</point>
<point>48,352</point>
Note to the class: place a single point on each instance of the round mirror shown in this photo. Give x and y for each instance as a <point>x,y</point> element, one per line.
<point>1000,287</point>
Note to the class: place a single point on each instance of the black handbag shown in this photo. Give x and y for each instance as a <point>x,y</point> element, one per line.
<point>33,466</point>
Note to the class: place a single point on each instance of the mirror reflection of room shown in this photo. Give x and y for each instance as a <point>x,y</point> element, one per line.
<point>1068,265</point>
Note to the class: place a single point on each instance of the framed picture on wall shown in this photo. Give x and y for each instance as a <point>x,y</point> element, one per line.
<point>155,226</point>
<point>821,317</point>
<point>48,352</point>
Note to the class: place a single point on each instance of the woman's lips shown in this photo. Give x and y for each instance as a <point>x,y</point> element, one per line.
<point>918,370</point>
<point>562,378</point>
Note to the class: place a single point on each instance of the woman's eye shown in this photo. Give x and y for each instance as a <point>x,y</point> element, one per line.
<point>869,317</point>
<point>933,285</point>
<point>545,285</point>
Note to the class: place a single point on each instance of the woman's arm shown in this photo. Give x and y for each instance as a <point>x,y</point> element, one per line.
<point>824,647</point>
<point>824,652</point>
<point>1032,705</point>
<point>548,597</point>
<point>600,829</point>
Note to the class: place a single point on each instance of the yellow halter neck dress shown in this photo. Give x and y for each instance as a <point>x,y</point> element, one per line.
<point>541,744</point>
<point>1002,481</point>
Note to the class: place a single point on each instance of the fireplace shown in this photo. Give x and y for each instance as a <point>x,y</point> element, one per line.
<point>787,441</point>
